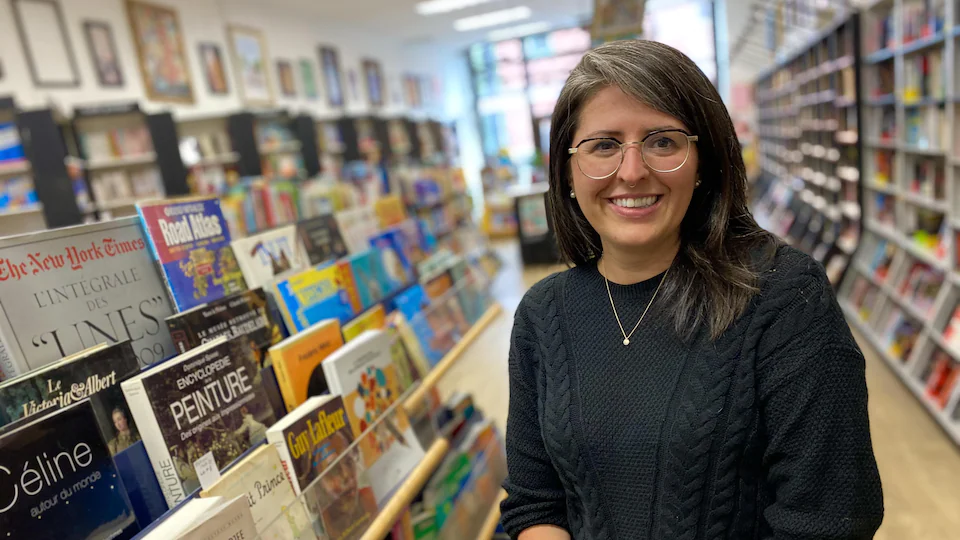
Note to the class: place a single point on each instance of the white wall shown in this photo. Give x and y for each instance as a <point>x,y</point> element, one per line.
<point>289,34</point>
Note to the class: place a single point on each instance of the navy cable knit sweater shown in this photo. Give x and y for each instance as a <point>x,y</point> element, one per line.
<point>760,434</point>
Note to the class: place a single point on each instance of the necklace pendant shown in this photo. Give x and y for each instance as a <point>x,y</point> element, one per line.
<point>626,341</point>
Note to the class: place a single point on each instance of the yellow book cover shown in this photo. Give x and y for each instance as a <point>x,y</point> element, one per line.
<point>374,318</point>
<point>312,295</point>
<point>390,211</point>
<point>296,361</point>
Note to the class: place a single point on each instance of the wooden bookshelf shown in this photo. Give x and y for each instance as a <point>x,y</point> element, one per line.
<point>493,518</point>
<point>903,289</point>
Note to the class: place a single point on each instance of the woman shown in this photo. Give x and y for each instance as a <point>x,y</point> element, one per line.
<point>689,377</point>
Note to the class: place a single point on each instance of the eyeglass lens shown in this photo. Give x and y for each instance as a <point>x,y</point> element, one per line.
<point>662,152</point>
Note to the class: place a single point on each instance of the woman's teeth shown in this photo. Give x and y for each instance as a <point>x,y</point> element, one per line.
<point>639,202</point>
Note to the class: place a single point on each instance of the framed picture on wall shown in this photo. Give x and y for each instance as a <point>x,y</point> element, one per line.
<point>211,62</point>
<point>46,45</point>
<point>309,80</point>
<point>333,83</point>
<point>103,50</point>
<point>411,91</point>
<point>373,78</point>
<point>285,75</point>
<point>249,51</point>
<point>160,52</point>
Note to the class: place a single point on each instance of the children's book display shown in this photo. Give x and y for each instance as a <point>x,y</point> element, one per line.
<point>268,254</point>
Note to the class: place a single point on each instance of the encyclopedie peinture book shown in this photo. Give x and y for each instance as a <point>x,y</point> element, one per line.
<point>67,486</point>
<point>66,290</point>
<point>320,239</point>
<point>296,361</point>
<point>265,255</point>
<point>210,399</point>
<point>191,243</point>
<point>242,314</point>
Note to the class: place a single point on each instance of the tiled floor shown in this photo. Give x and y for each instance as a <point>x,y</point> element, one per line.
<point>919,465</point>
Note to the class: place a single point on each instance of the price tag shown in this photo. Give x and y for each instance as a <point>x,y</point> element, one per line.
<point>207,470</point>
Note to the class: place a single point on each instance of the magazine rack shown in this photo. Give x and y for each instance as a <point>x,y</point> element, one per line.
<point>470,505</point>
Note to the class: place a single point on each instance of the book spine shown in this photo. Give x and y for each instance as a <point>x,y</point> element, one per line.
<point>156,261</point>
<point>9,367</point>
<point>276,439</point>
<point>285,313</point>
<point>163,465</point>
<point>283,380</point>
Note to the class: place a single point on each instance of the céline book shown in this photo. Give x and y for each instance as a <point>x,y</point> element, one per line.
<point>190,241</point>
<point>268,254</point>
<point>296,361</point>
<point>68,289</point>
<point>242,314</point>
<point>210,399</point>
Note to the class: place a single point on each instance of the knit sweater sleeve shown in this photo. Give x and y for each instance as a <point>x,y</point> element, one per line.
<point>818,459</point>
<point>535,495</point>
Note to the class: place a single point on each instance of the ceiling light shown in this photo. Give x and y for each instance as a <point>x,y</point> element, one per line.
<point>433,7</point>
<point>494,18</point>
<point>519,30</point>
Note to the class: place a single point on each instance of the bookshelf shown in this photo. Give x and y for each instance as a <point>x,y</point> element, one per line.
<point>208,154</point>
<point>903,290</point>
<point>810,142</point>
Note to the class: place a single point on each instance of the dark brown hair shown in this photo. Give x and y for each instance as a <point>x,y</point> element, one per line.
<point>714,275</point>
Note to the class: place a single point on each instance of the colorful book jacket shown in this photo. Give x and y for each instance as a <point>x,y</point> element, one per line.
<point>357,225</point>
<point>411,301</point>
<point>67,485</point>
<point>296,361</point>
<point>369,277</point>
<point>374,318</point>
<point>210,399</point>
<point>320,239</point>
<point>308,297</point>
<point>395,258</point>
<point>191,243</point>
<point>390,211</point>
<point>310,438</point>
<point>66,290</point>
<point>260,478</point>
<point>242,314</point>
<point>268,254</point>
<point>342,500</point>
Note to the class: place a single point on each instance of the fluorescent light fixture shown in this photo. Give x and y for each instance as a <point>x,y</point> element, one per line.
<point>434,7</point>
<point>519,30</point>
<point>493,18</point>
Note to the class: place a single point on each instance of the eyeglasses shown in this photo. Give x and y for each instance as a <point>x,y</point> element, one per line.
<point>663,151</point>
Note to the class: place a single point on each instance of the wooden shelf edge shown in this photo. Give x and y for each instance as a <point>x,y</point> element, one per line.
<point>432,378</point>
<point>493,518</point>
<point>407,491</point>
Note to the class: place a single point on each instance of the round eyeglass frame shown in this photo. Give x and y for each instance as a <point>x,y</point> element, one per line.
<point>690,139</point>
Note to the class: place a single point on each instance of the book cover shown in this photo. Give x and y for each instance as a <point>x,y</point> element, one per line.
<point>66,290</point>
<point>374,318</point>
<point>242,314</point>
<point>310,438</point>
<point>260,478</point>
<point>210,399</point>
<point>190,241</point>
<point>399,327</point>
<point>321,240</point>
<point>232,520</point>
<point>952,331</point>
<point>342,501</point>
<point>265,255</point>
<point>312,295</point>
<point>357,225</point>
<point>411,301</point>
<point>395,258</point>
<point>180,519</point>
<point>471,296</point>
<point>296,361</point>
<point>439,327</point>
<point>67,485</point>
<point>413,239</point>
<point>369,277</point>
<point>389,210</point>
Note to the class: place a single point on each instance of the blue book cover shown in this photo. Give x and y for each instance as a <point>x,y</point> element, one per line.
<point>313,295</point>
<point>411,301</point>
<point>191,242</point>
<point>395,258</point>
<point>370,278</point>
<point>67,484</point>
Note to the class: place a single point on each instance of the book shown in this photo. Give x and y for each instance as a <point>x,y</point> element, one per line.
<point>296,361</point>
<point>66,290</point>
<point>260,478</point>
<point>389,210</point>
<point>357,225</point>
<point>952,332</point>
<point>399,326</point>
<point>312,295</point>
<point>70,485</point>
<point>242,314</point>
<point>395,258</point>
<point>411,301</point>
<point>191,243</point>
<point>369,277</point>
<point>231,520</point>
<point>902,336</point>
<point>343,501</point>
<point>265,255</point>
<point>177,521</point>
<point>374,318</point>
<point>942,379</point>
<point>310,438</point>
<point>209,399</point>
<point>320,239</point>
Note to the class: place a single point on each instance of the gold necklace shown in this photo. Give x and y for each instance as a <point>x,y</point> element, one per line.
<point>626,336</point>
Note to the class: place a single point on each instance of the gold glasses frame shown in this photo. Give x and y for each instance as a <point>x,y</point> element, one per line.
<point>690,139</point>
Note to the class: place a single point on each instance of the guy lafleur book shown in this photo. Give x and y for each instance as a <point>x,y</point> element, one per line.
<point>374,318</point>
<point>65,484</point>
<point>210,399</point>
<point>310,438</point>
<point>241,314</point>
<point>190,241</point>
<point>66,290</point>
<point>296,361</point>
<point>395,258</point>
<point>260,478</point>
<point>320,239</point>
<point>314,294</point>
<point>268,254</point>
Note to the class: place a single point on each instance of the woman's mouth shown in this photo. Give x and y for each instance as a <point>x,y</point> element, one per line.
<point>635,207</point>
<point>636,202</point>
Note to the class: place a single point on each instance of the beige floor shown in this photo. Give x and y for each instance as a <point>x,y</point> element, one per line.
<point>919,465</point>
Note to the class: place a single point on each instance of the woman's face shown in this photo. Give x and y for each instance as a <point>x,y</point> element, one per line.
<point>120,421</point>
<point>659,200</point>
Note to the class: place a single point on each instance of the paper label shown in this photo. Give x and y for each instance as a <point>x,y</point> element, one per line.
<point>207,470</point>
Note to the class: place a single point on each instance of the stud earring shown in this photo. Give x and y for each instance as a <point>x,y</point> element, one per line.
<point>572,194</point>
<point>697,184</point>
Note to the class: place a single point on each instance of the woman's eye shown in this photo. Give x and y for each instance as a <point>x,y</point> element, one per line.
<point>603,146</point>
<point>663,143</point>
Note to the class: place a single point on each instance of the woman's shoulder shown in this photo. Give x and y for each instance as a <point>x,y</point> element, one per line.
<point>788,272</point>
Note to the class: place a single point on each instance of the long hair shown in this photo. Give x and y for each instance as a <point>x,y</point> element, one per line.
<point>715,274</point>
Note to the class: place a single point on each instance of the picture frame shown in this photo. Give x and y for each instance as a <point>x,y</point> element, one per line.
<point>309,79</point>
<point>43,33</point>
<point>617,19</point>
<point>373,80</point>
<point>288,87</point>
<point>332,77</point>
<point>249,51</point>
<point>411,91</point>
<point>214,70</point>
<point>161,55</point>
<point>103,52</point>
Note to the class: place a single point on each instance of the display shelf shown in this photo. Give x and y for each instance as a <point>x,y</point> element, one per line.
<point>14,168</point>
<point>21,210</point>
<point>287,147</point>
<point>145,159</point>
<point>493,519</point>
<point>222,159</point>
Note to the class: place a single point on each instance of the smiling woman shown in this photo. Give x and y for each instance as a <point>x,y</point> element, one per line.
<point>689,376</point>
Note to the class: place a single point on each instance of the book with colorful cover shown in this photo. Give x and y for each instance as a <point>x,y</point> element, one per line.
<point>244,313</point>
<point>77,491</point>
<point>320,239</point>
<point>413,239</point>
<point>369,277</point>
<point>470,293</point>
<point>439,327</point>
<point>209,399</point>
<point>65,290</point>
<point>356,226</point>
<point>374,318</point>
<point>297,359</point>
<point>268,254</point>
<point>942,379</point>
<point>399,326</point>
<point>952,332</point>
<point>342,501</point>
<point>389,210</point>
<point>395,258</point>
<point>312,295</point>
<point>411,301</point>
<point>441,289</point>
<point>190,241</point>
